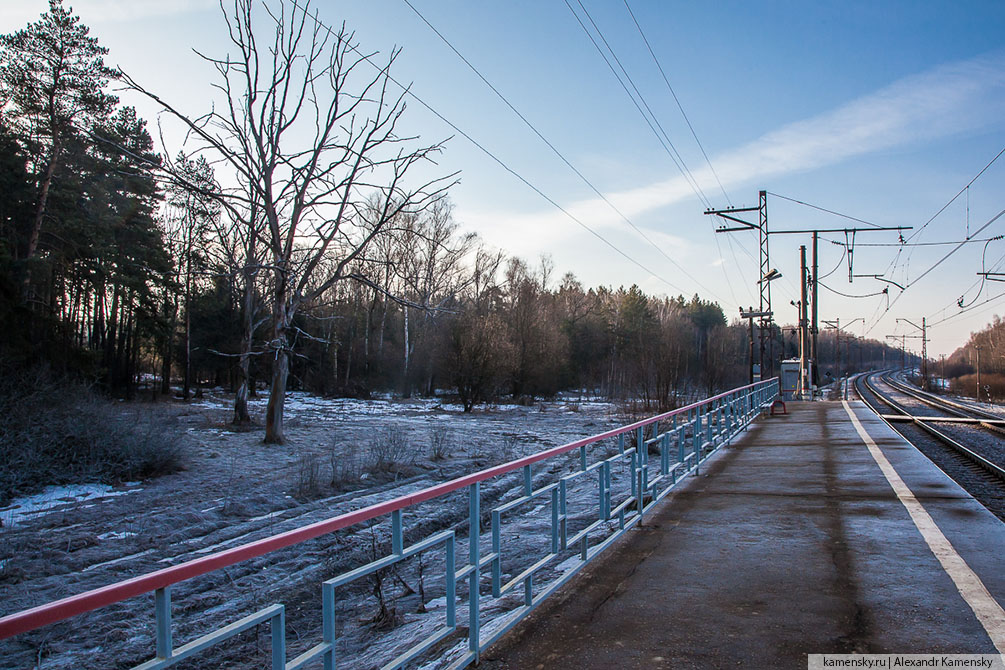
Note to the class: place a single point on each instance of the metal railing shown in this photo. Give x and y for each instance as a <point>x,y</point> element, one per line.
<point>599,498</point>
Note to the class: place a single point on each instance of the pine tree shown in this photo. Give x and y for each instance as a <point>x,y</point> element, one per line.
<point>52,75</point>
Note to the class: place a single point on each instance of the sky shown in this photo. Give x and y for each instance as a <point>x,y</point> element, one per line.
<point>884,112</point>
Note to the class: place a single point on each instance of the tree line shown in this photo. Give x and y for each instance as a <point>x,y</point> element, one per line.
<point>976,369</point>
<point>300,238</point>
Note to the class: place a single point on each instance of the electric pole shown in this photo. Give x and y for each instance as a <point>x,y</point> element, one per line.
<point>804,386</point>
<point>924,349</point>
<point>903,344</point>
<point>750,315</point>
<point>767,273</point>
<point>978,348</point>
<point>836,325</point>
<point>903,348</point>
<point>813,305</point>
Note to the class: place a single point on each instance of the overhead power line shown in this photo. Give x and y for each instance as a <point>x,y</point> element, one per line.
<point>687,120</point>
<point>649,118</point>
<point>675,99</point>
<point>555,150</point>
<point>407,91</point>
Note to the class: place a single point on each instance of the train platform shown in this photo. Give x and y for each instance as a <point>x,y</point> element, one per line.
<point>821,531</point>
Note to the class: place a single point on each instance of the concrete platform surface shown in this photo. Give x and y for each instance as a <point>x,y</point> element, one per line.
<point>790,542</point>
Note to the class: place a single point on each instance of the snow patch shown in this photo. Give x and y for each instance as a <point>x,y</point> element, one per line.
<point>115,561</point>
<point>54,498</point>
<point>116,535</point>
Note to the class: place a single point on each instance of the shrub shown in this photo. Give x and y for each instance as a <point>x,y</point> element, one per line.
<point>308,475</point>
<point>439,442</point>
<point>57,431</point>
<point>390,452</point>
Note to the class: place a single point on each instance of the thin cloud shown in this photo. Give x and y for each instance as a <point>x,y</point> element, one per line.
<point>946,100</point>
<point>105,11</point>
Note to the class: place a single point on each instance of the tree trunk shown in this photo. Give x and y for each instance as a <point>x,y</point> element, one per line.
<point>241,415</point>
<point>43,197</point>
<point>352,339</point>
<point>187,384</point>
<point>132,357</point>
<point>405,386</point>
<point>366,335</point>
<point>171,304</point>
<point>280,371</point>
<point>383,322</point>
<point>110,335</point>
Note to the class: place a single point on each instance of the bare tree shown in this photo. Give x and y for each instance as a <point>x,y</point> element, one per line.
<point>314,138</point>
<point>191,216</point>
<point>431,274</point>
<point>480,355</point>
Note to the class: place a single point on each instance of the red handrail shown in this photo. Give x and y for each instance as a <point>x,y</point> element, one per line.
<point>65,608</point>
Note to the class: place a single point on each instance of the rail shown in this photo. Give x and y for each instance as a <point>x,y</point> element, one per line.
<point>626,486</point>
<point>925,422</point>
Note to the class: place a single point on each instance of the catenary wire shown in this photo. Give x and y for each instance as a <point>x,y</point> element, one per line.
<point>939,262</point>
<point>945,243</point>
<point>848,295</point>
<point>953,199</point>
<point>837,267</point>
<point>966,189</point>
<point>983,273</point>
<point>966,310</point>
<point>978,282</point>
<point>824,209</point>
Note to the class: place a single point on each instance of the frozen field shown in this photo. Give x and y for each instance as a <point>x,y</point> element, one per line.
<point>340,455</point>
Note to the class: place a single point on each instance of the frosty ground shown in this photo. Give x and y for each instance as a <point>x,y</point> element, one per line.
<point>340,455</point>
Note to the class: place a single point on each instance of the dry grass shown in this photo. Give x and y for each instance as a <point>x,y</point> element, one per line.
<point>57,431</point>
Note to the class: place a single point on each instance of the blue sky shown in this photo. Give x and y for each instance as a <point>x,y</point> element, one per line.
<point>880,110</point>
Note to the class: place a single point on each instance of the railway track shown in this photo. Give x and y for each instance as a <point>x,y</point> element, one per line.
<point>958,412</point>
<point>968,444</point>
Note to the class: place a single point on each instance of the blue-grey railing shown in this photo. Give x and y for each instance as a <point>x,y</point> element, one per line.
<point>593,499</point>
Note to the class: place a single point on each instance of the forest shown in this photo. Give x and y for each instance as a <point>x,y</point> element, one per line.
<point>297,241</point>
<point>976,369</point>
